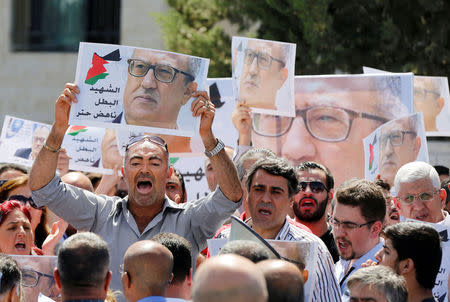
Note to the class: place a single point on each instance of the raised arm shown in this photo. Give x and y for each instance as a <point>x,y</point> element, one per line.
<point>224,169</point>
<point>45,164</point>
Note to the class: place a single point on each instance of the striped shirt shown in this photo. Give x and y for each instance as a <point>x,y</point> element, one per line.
<point>325,287</point>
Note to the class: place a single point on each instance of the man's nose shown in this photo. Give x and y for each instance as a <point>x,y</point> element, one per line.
<point>254,66</point>
<point>298,144</point>
<point>379,255</point>
<point>149,80</point>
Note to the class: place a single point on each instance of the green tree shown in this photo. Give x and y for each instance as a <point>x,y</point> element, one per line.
<point>395,35</point>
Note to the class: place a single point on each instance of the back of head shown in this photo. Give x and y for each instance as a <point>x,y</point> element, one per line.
<point>250,157</point>
<point>414,171</point>
<point>284,280</point>
<point>445,184</point>
<point>441,170</point>
<point>8,171</point>
<point>422,244</point>
<point>83,262</point>
<point>10,275</point>
<point>383,279</point>
<point>228,278</point>
<point>79,180</point>
<point>147,256</point>
<point>365,195</point>
<point>251,250</point>
<point>181,251</point>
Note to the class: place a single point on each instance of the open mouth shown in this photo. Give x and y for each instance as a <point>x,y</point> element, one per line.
<point>393,215</point>
<point>265,212</point>
<point>307,203</point>
<point>342,244</point>
<point>20,246</point>
<point>144,186</point>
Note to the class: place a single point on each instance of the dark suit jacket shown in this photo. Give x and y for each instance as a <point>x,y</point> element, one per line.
<point>23,153</point>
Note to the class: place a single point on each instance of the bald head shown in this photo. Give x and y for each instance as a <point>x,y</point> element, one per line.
<point>79,180</point>
<point>229,278</point>
<point>284,280</point>
<point>144,257</point>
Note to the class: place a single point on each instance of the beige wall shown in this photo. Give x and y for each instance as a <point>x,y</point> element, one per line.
<point>30,82</point>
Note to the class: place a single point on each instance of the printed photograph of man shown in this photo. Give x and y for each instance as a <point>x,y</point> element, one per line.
<point>263,73</point>
<point>158,84</point>
<point>333,115</point>
<point>40,134</point>
<point>428,100</point>
<point>399,144</point>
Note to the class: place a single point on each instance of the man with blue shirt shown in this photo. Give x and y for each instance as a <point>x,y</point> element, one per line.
<point>357,222</point>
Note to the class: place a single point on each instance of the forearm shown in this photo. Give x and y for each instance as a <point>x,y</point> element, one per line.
<point>44,166</point>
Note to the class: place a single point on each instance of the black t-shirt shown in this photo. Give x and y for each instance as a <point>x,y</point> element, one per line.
<point>328,239</point>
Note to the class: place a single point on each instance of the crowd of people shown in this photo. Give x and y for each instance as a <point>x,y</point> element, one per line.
<point>149,243</point>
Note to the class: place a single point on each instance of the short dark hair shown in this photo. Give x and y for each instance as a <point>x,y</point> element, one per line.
<point>364,194</point>
<point>278,167</point>
<point>445,185</point>
<point>181,179</point>
<point>254,153</point>
<point>181,251</point>
<point>83,261</point>
<point>310,165</point>
<point>382,184</point>
<point>442,170</point>
<point>422,244</point>
<point>251,250</point>
<point>10,274</point>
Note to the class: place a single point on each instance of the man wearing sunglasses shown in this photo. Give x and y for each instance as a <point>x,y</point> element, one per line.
<point>311,203</point>
<point>399,144</point>
<point>263,73</point>
<point>158,84</point>
<point>271,184</point>
<point>357,222</point>
<point>333,115</point>
<point>146,211</point>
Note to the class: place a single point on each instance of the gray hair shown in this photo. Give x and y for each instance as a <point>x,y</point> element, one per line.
<point>252,154</point>
<point>414,171</point>
<point>251,250</point>
<point>389,90</point>
<point>384,279</point>
<point>194,67</point>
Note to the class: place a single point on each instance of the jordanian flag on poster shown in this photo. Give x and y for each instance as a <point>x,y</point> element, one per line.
<point>98,71</point>
<point>75,130</point>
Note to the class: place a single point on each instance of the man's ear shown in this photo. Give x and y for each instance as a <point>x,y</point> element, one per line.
<point>440,104</point>
<point>189,277</point>
<point>305,275</point>
<point>283,76</point>
<point>57,278</point>
<point>417,145</point>
<point>126,281</point>
<point>189,89</point>
<point>123,171</point>
<point>376,228</point>
<point>406,266</point>
<point>170,171</point>
<point>107,280</point>
<point>443,196</point>
<point>330,195</point>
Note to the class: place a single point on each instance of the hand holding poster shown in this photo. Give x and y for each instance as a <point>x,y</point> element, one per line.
<point>122,85</point>
<point>394,144</point>
<point>263,75</point>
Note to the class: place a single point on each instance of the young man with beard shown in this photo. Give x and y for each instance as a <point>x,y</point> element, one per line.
<point>357,221</point>
<point>310,204</point>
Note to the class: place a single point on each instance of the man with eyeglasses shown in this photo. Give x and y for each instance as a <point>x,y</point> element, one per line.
<point>37,141</point>
<point>263,73</point>
<point>158,85</point>
<point>146,211</point>
<point>311,203</point>
<point>419,195</point>
<point>271,184</point>
<point>428,100</point>
<point>357,222</point>
<point>399,144</point>
<point>333,115</point>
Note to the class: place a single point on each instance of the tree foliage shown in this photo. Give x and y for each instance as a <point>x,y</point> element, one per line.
<point>331,35</point>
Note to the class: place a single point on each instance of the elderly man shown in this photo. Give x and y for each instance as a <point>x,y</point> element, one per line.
<point>333,115</point>
<point>399,144</point>
<point>271,185</point>
<point>37,141</point>
<point>229,278</point>
<point>357,221</point>
<point>263,73</point>
<point>82,271</point>
<point>413,250</point>
<point>146,211</point>
<point>377,284</point>
<point>428,100</point>
<point>419,193</point>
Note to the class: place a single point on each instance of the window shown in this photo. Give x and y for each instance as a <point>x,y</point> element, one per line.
<point>59,25</point>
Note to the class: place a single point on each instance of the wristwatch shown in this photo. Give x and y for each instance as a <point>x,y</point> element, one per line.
<point>219,146</point>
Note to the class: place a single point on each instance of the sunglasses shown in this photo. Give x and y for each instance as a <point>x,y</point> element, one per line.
<point>314,186</point>
<point>25,200</point>
<point>151,138</point>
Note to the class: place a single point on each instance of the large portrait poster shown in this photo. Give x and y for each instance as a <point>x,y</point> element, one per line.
<point>263,75</point>
<point>333,115</point>
<point>129,87</point>
<point>432,98</point>
<point>394,144</point>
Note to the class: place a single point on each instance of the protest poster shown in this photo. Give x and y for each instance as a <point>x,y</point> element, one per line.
<point>333,115</point>
<point>263,75</point>
<point>303,254</point>
<point>432,98</point>
<point>129,87</point>
<point>394,144</point>
<point>21,141</point>
<point>38,282</point>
